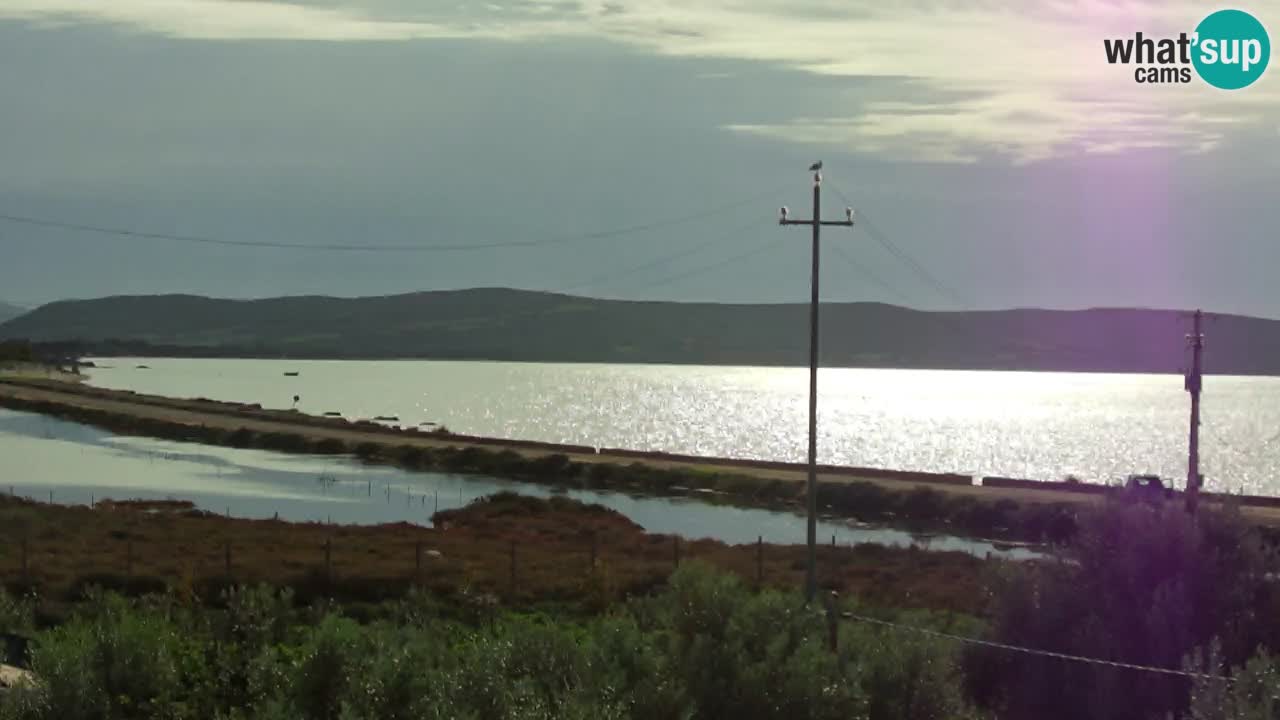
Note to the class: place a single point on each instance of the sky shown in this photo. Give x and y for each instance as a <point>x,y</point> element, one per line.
<point>641,148</point>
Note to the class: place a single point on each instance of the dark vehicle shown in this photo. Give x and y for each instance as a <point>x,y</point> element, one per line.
<point>1148,486</point>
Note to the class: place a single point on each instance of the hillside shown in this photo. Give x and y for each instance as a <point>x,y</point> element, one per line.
<point>500,324</point>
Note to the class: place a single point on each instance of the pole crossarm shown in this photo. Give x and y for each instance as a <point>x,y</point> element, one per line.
<point>809,223</point>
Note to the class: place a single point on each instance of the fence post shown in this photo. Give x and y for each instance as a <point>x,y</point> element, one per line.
<point>417,563</point>
<point>50,497</point>
<point>833,626</point>
<point>328,561</point>
<point>513,568</point>
<point>833,541</point>
<point>759,561</point>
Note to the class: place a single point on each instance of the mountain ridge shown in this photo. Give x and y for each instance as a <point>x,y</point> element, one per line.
<point>510,324</point>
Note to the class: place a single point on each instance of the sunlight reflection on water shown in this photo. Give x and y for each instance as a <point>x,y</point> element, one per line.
<point>1035,425</point>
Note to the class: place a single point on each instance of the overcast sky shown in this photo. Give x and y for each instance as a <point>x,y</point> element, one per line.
<point>990,141</point>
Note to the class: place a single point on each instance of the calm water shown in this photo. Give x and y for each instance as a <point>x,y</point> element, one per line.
<point>1036,425</point>
<point>78,464</point>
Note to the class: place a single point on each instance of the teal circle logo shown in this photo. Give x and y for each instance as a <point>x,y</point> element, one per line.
<point>1232,49</point>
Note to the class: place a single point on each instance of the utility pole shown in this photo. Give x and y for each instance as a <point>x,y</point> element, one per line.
<point>1192,384</point>
<point>816,222</point>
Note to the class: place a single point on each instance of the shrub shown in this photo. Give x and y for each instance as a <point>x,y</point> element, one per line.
<point>745,655</point>
<point>116,662</point>
<point>923,505</point>
<point>329,446</point>
<point>412,457</point>
<point>1139,584</point>
<point>17,614</point>
<point>705,647</point>
<point>325,667</point>
<point>550,467</point>
<point>1254,693</point>
<point>240,438</point>
<point>283,442</point>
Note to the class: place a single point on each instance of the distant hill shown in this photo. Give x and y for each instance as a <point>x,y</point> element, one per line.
<point>8,312</point>
<point>501,324</point>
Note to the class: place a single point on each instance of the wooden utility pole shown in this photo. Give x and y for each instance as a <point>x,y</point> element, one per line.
<point>816,222</point>
<point>1193,385</point>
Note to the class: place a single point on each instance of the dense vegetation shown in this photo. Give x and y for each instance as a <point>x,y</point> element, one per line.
<point>16,351</point>
<point>705,647</point>
<point>479,324</point>
<point>1141,584</point>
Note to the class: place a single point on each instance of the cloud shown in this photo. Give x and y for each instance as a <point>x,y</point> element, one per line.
<point>1005,77</point>
<point>1024,128</point>
<point>222,19</point>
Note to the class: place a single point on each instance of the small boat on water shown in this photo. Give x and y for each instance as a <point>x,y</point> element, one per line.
<point>293,373</point>
<point>333,413</point>
<point>143,367</point>
<point>387,418</point>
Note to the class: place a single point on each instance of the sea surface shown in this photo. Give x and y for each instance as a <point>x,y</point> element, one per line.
<point>51,460</point>
<point>1041,426</point>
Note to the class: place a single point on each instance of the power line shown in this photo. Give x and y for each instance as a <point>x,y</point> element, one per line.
<point>701,269</point>
<point>940,287</point>
<point>347,247</point>
<point>1033,651</point>
<point>755,250</point>
<point>868,275</point>
<point>663,260</point>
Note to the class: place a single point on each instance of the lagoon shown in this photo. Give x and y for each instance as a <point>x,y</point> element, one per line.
<point>1098,427</point>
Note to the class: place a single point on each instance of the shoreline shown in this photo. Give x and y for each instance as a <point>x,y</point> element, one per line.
<point>1008,509</point>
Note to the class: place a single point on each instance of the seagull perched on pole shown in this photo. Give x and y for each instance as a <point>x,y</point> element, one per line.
<point>816,166</point>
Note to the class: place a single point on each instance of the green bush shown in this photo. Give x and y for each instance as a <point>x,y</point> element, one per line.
<point>1253,694</point>
<point>736,654</point>
<point>240,438</point>
<point>114,663</point>
<point>17,614</point>
<point>706,647</point>
<point>329,446</point>
<point>283,442</point>
<point>1140,584</point>
<point>325,667</point>
<point>412,457</point>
